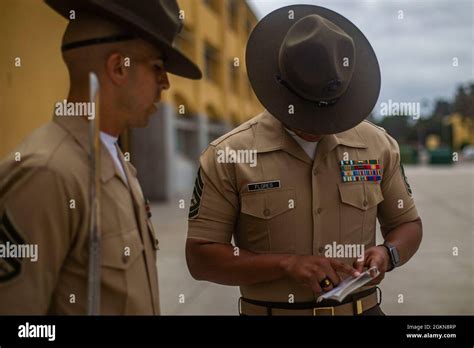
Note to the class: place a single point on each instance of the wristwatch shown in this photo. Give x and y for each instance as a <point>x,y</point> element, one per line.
<point>394,256</point>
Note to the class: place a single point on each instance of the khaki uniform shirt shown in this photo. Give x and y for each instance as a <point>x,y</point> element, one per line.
<point>44,201</point>
<point>302,205</point>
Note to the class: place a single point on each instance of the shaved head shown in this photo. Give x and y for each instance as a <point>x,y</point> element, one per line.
<point>131,71</point>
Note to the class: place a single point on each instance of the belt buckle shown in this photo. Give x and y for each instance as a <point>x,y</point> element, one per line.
<point>359,307</point>
<point>316,309</point>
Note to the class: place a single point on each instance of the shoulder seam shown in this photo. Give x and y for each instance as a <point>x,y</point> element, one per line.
<point>50,156</point>
<point>231,133</point>
<point>53,152</point>
<point>376,126</point>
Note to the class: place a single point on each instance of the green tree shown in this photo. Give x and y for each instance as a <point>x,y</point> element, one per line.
<point>464,100</point>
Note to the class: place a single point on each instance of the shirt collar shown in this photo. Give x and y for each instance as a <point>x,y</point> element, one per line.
<point>78,128</point>
<point>270,135</point>
<point>110,140</point>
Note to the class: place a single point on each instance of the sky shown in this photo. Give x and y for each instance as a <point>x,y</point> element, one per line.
<point>416,52</point>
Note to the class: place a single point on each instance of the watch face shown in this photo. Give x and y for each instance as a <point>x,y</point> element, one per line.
<point>395,256</point>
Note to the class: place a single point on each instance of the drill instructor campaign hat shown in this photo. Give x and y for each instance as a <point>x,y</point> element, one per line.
<point>313,69</point>
<point>156,21</point>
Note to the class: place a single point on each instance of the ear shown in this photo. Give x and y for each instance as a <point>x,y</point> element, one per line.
<point>116,68</point>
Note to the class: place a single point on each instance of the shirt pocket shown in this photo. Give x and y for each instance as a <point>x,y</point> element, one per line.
<point>120,251</point>
<point>122,263</point>
<point>266,222</point>
<point>358,212</point>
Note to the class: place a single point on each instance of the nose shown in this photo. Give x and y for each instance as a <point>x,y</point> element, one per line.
<point>163,82</point>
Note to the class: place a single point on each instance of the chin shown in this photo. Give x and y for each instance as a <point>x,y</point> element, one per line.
<point>143,123</point>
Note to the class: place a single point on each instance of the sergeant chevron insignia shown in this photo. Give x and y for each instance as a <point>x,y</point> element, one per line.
<point>197,194</point>
<point>407,185</point>
<point>10,267</point>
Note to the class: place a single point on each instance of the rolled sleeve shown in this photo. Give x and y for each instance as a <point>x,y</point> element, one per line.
<point>215,204</point>
<point>398,206</point>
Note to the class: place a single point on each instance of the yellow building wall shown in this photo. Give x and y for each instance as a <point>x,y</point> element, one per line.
<point>211,25</point>
<point>31,31</point>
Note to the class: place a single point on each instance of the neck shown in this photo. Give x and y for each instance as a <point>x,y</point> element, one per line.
<point>307,136</point>
<point>108,124</point>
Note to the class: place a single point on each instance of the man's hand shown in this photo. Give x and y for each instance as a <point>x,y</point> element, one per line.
<point>375,256</point>
<point>311,270</point>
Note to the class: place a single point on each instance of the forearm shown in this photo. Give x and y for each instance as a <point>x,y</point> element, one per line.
<point>221,263</point>
<point>406,238</point>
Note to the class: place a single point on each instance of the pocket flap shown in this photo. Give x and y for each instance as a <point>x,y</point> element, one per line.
<point>268,204</point>
<point>121,250</point>
<point>360,195</point>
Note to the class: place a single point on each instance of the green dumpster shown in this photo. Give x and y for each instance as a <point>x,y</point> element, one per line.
<point>441,156</point>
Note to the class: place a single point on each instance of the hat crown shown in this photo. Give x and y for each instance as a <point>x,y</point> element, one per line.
<point>316,59</point>
<point>166,11</point>
<point>156,21</point>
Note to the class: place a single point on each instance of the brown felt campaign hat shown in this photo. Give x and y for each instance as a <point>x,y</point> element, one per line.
<point>313,69</point>
<point>156,21</point>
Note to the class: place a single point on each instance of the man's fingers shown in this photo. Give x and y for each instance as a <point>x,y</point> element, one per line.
<point>359,264</point>
<point>315,286</point>
<point>377,280</point>
<point>344,268</point>
<point>375,262</point>
<point>317,277</point>
<point>332,275</point>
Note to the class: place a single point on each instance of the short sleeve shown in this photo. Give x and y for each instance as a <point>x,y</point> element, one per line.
<point>34,224</point>
<point>398,206</point>
<point>214,203</point>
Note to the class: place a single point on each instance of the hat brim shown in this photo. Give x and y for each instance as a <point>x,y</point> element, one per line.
<point>262,68</point>
<point>176,62</point>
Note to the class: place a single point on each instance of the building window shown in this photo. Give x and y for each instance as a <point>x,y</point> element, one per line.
<point>248,26</point>
<point>185,141</point>
<point>185,42</point>
<point>234,77</point>
<point>234,120</point>
<point>211,65</point>
<point>213,4</point>
<point>233,14</point>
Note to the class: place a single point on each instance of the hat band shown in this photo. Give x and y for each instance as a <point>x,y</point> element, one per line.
<point>319,103</point>
<point>96,41</point>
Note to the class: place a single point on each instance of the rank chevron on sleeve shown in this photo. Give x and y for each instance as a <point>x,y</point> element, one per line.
<point>197,194</point>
